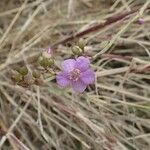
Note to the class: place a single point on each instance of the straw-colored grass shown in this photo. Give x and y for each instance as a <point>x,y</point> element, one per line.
<point>112,114</point>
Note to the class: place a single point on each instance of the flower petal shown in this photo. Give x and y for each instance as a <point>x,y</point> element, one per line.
<point>68,65</point>
<point>88,76</point>
<point>78,86</point>
<point>82,63</point>
<point>62,79</point>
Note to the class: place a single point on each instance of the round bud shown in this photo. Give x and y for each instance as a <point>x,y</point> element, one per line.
<point>23,71</point>
<point>27,81</point>
<point>141,21</point>
<point>36,74</point>
<point>17,77</point>
<point>77,50</point>
<point>46,62</point>
<point>81,44</point>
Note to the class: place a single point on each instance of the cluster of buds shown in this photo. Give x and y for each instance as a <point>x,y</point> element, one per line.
<point>46,60</point>
<point>22,77</point>
<point>79,48</point>
<point>25,78</point>
<point>75,72</point>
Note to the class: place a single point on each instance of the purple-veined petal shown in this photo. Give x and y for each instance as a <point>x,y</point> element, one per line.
<point>88,76</point>
<point>68,65</point>
<point>62,79</point>
<point>82,63</point>
<point>78,86</point>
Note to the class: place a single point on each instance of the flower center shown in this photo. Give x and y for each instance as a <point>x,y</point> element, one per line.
<point>74,75</point>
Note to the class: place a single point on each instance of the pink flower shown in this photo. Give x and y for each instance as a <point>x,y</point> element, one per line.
<point>76,73</point>
<point>49,50</point>
<point>48,53</point>
<point>141,21</point>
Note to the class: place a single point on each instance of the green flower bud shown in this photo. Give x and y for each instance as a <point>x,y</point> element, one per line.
<point>36,74</point>
<point>77,50</point>
<point>81,44</point>
<point>46,62</point>
<point>40,58</point>
<point>51,62</point>
<point>23,71</point>
<point>26,82</point>
<point>17,77</point>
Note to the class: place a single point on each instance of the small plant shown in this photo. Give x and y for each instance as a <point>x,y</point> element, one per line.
<point>75,73</point>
